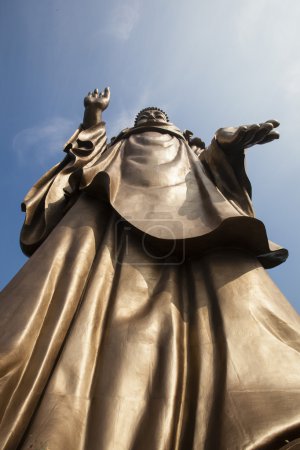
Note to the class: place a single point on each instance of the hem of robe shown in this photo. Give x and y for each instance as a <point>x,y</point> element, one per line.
<point>240,233</point>
<point>179,337</point>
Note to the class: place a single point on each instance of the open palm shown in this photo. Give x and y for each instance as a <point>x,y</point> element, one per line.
<point>244,136</point>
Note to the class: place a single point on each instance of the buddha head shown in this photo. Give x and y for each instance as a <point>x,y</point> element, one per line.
<point>152,115</point>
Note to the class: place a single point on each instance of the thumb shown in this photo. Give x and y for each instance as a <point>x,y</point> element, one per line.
<point>106,92</point>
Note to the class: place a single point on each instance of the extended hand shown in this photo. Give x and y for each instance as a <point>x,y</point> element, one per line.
<point>97,100</point>
<point>233,139</point>
<point>94,104</point>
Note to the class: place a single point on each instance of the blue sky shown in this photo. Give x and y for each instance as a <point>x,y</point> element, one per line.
<point>209,63</point>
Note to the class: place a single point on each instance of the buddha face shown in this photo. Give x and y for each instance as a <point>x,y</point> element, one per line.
<point>151,115</point>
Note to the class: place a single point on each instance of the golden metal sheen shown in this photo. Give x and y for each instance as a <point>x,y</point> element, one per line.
<point>144,318</point>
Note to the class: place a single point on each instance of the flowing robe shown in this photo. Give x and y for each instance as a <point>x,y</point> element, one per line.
<point>144,318</point>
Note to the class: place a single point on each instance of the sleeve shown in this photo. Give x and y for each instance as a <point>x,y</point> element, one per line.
<point>228,174</point>
<point>52,196</point>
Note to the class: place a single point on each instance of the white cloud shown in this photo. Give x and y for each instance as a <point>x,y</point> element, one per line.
<point>43,143</point>
<point>124,17</point>
<point>250,17</point>
<point>291,79</point>
<point>268,26</point>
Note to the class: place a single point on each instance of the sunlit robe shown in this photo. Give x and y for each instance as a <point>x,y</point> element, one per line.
<point>144,318</point>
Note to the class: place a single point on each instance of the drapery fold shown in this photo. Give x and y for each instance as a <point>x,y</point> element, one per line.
<point>155,182</point>
<point>108,346</point>
<point>121,353</point>
<point>55,193</point>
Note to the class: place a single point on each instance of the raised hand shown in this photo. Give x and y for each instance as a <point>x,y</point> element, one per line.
<point>97,100</point>
<point>94,104</point>
<point>234,139</point>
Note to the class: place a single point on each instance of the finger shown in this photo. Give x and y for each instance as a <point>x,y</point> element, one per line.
<point>106,92</point>
<point>89,94</point>
<point>270,137</point>
<point>95,93</point>
<point>264,130</point>
<point>246,134</point>
<point>274,122</point>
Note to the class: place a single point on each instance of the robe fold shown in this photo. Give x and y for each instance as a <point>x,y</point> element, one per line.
<point>144,317</point>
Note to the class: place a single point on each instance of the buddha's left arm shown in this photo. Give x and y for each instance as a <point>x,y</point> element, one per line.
<point>224,159</point>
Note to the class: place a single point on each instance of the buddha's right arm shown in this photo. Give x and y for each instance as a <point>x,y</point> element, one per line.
<point>52,196</point>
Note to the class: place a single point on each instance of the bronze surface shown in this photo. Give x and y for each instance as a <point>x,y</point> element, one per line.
<point>144,318</point>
